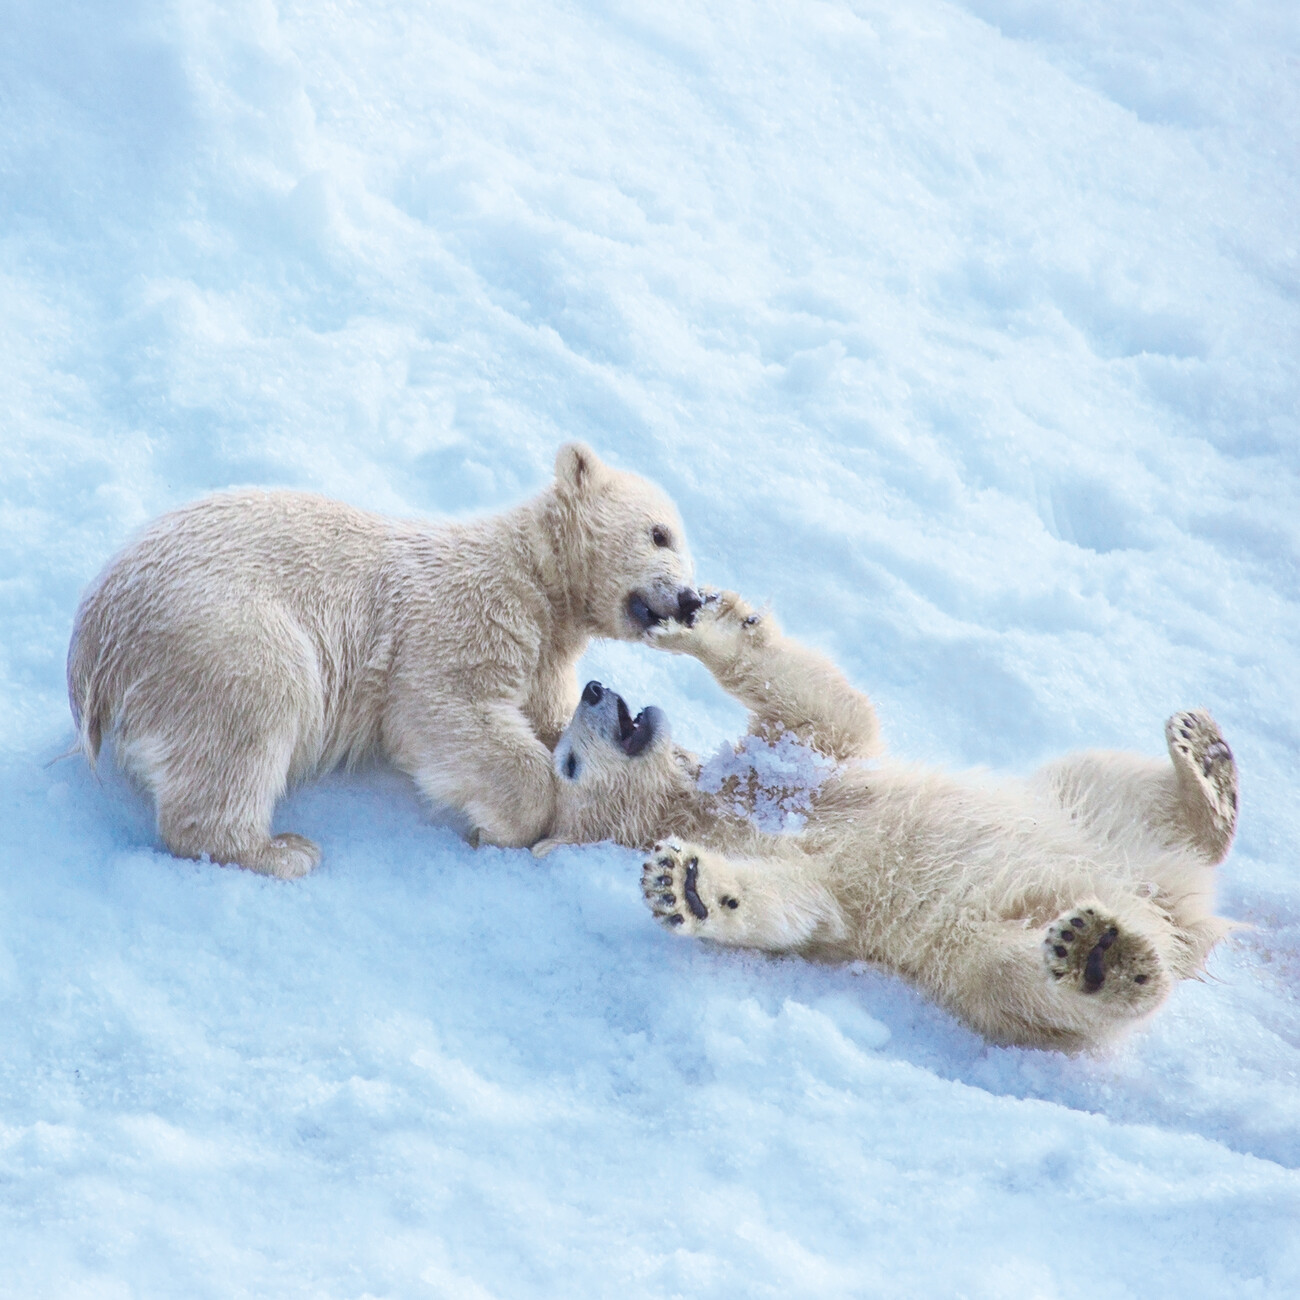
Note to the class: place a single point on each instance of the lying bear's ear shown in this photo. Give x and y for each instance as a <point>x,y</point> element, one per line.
<point>577,468</point>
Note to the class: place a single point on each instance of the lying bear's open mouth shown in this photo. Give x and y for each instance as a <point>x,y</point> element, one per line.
<point>634,734</point>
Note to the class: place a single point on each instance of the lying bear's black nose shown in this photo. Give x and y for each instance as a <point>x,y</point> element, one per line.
<point>687,603</point>
<point>592,692</point>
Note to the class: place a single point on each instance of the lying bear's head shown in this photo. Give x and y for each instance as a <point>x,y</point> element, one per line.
<point>624,546</point>
<point>620,778</point>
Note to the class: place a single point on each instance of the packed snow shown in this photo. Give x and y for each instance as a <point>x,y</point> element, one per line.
<point>966,335</point>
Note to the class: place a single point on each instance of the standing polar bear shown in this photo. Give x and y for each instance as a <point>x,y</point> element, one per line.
<point>1051,912</point>
<point>254,638</point>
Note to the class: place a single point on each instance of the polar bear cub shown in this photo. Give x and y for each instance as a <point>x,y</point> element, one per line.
<point>254,638</point>
<point>1051,912</point>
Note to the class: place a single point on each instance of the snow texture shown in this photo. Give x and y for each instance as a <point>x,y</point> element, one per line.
<point>965,333</point>
<point>771,782</point>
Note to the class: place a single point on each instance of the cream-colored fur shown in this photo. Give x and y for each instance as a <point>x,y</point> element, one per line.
<point>1051,912</point>
<point>254,638</point>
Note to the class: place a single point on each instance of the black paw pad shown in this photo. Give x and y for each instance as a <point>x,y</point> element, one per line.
<point>693,899</point>
<point>1094,971</point>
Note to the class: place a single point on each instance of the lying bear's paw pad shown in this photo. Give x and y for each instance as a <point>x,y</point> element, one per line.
<point>1090,951</point>
<point>670,883</point>
<point>1205,762</point>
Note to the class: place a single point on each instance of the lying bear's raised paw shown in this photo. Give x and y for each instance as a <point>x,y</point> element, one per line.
<point>670,881</point>
<point>1088,950</point>
<point>1207,773</point>
<point>722,627</point>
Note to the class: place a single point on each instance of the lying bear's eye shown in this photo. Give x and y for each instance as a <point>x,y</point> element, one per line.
<point>571,766</point>
<point>661,536</point>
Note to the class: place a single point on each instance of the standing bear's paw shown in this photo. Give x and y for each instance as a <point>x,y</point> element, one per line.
<point>286,856</point>
<point>1088,950</point>
<point>1207,777</point>
<point>680,888</point>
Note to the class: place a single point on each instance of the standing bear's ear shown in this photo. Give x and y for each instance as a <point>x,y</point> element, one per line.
<point>577,468</point>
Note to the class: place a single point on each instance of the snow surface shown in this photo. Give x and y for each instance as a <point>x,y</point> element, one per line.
<point>966,334</point>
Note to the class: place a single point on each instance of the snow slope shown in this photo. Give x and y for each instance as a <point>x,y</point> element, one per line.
<point>966,334</point>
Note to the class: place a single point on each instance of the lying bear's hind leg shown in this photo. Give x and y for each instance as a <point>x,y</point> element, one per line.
<point>1030,987</point>
<point>1207,780</point>
<point>1090,952</point>
<point>769,905</point>
<point>1138,809</point>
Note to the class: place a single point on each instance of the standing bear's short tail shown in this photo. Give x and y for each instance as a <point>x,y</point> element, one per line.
<point>84,697</point>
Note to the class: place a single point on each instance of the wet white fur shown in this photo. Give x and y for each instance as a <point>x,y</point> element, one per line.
<point>950,880</point>
<point>254,638</point>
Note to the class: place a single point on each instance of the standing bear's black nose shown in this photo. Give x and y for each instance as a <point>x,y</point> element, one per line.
<point>688,602</point>
<point>592,693</point>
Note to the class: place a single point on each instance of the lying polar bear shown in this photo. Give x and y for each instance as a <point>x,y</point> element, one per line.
<point>255,638</point>
<point>1050,912</point>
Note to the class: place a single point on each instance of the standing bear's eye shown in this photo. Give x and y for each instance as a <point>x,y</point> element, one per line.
<point>661,536</point>
<point>571,766</point>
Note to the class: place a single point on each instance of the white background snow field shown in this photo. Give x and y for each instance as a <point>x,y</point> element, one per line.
<point>966,334</point>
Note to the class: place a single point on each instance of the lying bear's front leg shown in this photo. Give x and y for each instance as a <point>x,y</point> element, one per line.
<point>769,905</point>
<point>785,685</point>
<point>724,630</point>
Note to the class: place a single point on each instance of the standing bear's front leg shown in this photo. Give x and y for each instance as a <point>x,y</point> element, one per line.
<point>786,686</point>
<point>486,761</point>
<point>775,905</point>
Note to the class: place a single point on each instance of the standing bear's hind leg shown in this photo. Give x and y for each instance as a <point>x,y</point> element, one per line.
<point>223,811</point>
<point>191,831</point>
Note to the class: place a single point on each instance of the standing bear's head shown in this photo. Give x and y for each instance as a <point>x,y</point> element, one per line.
<point>622,546</point>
